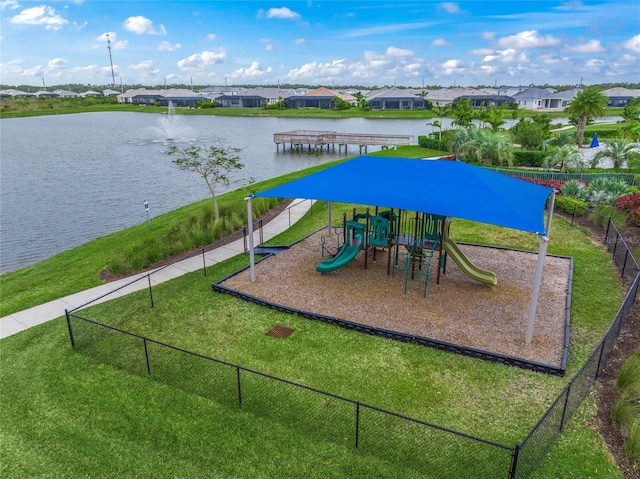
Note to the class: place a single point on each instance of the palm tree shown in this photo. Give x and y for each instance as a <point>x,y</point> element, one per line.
<point>618,150</point>
<point>463,113</point>
<point>494,117</point>
<point>441,111</point>
<point>483,146</point>
<point>565,157</point>
<point>589,103</point>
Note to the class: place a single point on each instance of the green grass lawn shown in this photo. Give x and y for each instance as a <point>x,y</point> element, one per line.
<point>65,414</point>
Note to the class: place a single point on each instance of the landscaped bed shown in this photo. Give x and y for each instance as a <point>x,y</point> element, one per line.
<point>458,310</point>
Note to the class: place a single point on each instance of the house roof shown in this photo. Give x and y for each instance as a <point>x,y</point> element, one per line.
<point>448,188</point>
<point>623,92</point>
<point>393,93</point>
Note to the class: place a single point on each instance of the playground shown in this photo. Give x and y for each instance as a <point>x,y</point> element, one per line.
<point>459,309</point>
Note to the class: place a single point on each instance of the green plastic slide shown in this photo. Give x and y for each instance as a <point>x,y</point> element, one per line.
<point>348,251</point>
<point>467,267</point>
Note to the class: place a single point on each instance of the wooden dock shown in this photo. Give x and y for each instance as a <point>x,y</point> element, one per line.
<point>298,139</point>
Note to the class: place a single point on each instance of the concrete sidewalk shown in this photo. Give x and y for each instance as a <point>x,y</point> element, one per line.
<point>16,322</point>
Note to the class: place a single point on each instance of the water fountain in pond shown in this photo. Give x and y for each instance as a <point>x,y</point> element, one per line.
<point>171,128</point>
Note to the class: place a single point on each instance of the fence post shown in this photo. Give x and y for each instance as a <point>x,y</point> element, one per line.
<point>514,461</point>
<point>261,232</point>
<point>624,263</point>
<point>600,356</point>
<point>357,424</point>
<point>204,264</point>
<point>239,388</point>
<point>564,408</point>
<point>606,234</point>
<point>73,343</point>
<point>146,356</point>
<point>150,289</point>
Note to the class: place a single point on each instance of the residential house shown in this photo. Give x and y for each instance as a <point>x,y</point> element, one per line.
<point>66,93</point>
<point>319,98</point>
<point>620,97</point>
<point>395,99</point>
<point>539,99</point>
<point>487,101</point>
<point>252,98</point>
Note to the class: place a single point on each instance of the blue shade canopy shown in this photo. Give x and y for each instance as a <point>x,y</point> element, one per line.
<point>448,188</point>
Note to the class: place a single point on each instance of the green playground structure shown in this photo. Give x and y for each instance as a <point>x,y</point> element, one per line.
<point>410,241</point>
<point>354,242</point>
<point>466,266</point>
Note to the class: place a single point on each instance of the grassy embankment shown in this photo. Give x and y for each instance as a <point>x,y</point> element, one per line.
<point>66,414</point>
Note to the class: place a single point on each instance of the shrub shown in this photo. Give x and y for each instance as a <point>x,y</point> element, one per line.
<point>555,184</point>
<point>633,218</point>
<point>605,191</point>
<point>432,143</point>
<point>628,202</point>
<point>571,205</point>
<point>575,189</point>
<point>534,159</point>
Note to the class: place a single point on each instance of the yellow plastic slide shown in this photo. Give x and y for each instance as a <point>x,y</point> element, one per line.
<point>467,267</point>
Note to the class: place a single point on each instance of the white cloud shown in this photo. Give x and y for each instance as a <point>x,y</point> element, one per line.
<point>166,46</point>
<point>142,26</point>
<point>211,37</point>
<point>549,59</point>
<point>452,66</point>
<point>299,41</point>
<point>41,15</point>
<point>10,4</point>
<point>594,64</point>
<point>199,61</point>
<point>252,71</point>
<point>282,12</point>
<point>633,44</point>
<point>528,39</point>
<point>450,7</point>
<point>319,70</point>
<point>56,63</point>
<point>592,46</point>
<point>481,51</point>
<point>143,66</point>
<point>440,42</point>
<point>398,52</point>
<point>488,35</point>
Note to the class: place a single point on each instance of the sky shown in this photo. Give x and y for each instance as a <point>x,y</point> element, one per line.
<point>367,43</point>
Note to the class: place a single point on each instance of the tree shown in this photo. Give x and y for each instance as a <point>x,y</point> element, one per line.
<point>483,145</point>
<point>494,117</point>
<point>340,104</point>
<point>463,113</point>
<point>441,112</point>
<point>529,133</point>
<point>213,163</point>
<point>565,158</point>
<point>619,151</point>
<point>589,103</point>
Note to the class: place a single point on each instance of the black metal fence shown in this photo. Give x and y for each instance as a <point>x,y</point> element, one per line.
<point>381,433</point>
<point>629,178</point>
<point>320,415</point>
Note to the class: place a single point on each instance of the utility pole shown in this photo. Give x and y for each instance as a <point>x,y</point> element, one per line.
<point>113,76</point>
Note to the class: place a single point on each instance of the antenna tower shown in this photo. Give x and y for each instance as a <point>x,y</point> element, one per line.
<point>113,76</point>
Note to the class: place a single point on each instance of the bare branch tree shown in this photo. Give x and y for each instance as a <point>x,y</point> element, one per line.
<point>212,162</point>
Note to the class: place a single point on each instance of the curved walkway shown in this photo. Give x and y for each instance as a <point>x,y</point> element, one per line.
<point>21,320</point>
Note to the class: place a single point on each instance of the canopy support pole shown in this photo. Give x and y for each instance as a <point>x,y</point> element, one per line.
<point>252,261</point>
<point>329,223</point>
<point>542,253</point>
